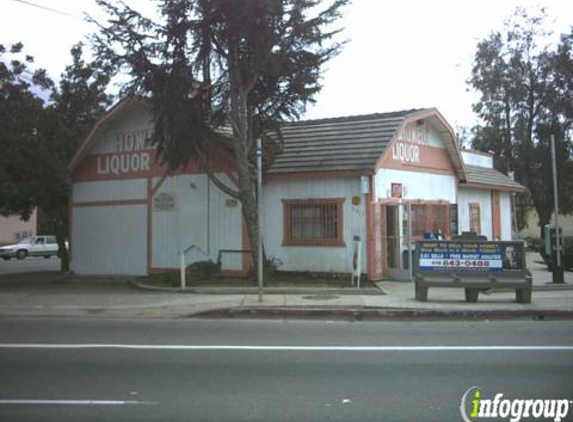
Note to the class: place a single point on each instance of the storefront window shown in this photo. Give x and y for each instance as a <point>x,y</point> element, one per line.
<point>475,218</point>
<point>313,222</point>
<point>430,218</point>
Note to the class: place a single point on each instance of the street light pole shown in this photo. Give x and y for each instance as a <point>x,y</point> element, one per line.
<point>557,270</point>
<point>260,216</point>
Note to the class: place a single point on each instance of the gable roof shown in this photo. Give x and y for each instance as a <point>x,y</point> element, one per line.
<point>338,144</point>
<point>490,177</point>
<point>353,143</point>
<point>114,113</point>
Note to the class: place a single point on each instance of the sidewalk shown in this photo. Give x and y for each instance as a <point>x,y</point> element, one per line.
<point>56,296</point>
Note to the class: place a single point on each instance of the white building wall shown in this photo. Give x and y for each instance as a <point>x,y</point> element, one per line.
<point>109,240</point>
<point>415,185</point>
<point>202,217</point>
<point>481,197</point>
<point>476,159</point>
<point>314,258</point>
<point>506,215</point>
<point>434,137</point>
<point>112,190</point>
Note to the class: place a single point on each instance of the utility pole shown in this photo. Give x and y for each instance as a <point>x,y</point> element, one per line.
<point>557,268</point>
<point>260,216</point>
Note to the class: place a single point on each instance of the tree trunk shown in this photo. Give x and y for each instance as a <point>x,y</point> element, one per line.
<point>60,224</point>
<point>242,145</point>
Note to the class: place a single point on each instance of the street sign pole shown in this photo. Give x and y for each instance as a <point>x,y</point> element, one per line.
<point>260,216</point>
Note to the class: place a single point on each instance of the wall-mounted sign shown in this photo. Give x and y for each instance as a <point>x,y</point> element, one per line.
<point>131,154</point>
<point>355,201</point>
<point>406,153</point>
<point>396,190</point>
<point>164,202</point>
<point>406,149</point>
<point>417,133</point>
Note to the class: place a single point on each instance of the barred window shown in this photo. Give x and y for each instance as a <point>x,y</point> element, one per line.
<point>430,217</point>
<point>313,222</point>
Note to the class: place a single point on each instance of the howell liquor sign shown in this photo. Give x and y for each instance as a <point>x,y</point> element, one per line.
<point>129,156</point>
<point>132,154</point>
<point>406,149</point>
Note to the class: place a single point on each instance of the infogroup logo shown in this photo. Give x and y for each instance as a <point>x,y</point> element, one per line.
<point>474,407</point>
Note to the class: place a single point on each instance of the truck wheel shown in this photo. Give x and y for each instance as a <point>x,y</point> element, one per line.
<point>472,295</point>
<point>21,254</point>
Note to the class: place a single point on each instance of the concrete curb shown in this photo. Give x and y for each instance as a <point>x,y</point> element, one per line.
<point>376,314</point>
<point>267,290</point>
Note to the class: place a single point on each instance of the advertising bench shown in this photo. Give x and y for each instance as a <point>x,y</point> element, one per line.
<point>473,265</point>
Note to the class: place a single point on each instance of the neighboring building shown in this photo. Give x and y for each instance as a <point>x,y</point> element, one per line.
<point>532,230</point>
<point>385,179</point>
<point>13,229</point>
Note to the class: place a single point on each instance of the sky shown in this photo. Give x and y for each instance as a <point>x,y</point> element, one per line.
<point>400,54</point>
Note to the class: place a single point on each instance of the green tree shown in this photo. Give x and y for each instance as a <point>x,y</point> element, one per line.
<point>222,63</point>
<point>39,139</point>
<point>524,89</point>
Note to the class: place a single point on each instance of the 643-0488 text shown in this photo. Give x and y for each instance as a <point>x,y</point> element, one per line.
<point>461,263</point>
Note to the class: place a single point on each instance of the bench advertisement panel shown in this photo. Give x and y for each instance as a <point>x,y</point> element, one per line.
<point>473,256</point>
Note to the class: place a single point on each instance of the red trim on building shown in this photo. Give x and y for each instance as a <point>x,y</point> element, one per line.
<point>495,214</point>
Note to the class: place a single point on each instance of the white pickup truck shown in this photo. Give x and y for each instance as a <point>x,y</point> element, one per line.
<point>45,246</point>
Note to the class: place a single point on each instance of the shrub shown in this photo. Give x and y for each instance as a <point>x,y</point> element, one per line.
<point>208,269</point>
<point>567,254</point>
<point>533,243</point>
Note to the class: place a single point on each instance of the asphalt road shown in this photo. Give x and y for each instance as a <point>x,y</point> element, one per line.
<point>30,264</point>
<point>87,370</point>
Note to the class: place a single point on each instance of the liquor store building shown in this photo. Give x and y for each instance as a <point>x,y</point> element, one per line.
<point>381,180</point>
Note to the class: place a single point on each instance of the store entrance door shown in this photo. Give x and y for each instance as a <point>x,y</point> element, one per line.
<point>399,241</point>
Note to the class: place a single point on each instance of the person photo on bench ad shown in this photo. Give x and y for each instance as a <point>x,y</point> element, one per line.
<point>510,261</point>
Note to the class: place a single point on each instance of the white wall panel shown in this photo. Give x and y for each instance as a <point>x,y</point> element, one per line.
<point>481,197</point>
<point>314,258</point>
<point>426,186</point>
<point>476,159</point>
<point>200,217</point>
<point>506,215</point>
<point>109,240</point>
<point>111,190</point>
<point>434,137</point>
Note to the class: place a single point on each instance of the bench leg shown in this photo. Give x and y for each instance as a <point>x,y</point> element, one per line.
<point>421,293</point>
<point>523,295</point>
<point>472,295</point>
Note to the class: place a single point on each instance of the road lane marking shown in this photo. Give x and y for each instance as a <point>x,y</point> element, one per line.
<point>282,348</point>
<point>74,402</point>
